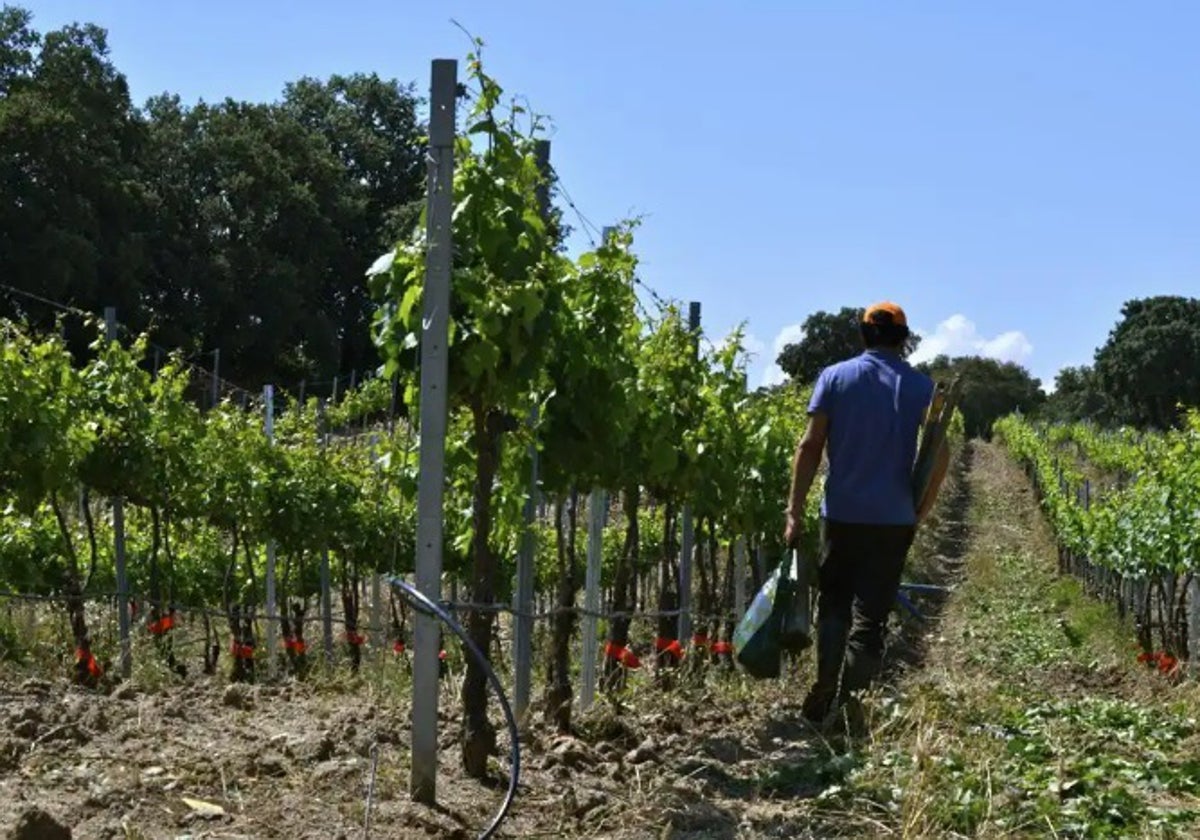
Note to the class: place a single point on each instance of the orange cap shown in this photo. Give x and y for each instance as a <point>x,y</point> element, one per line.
<point>885,312</point>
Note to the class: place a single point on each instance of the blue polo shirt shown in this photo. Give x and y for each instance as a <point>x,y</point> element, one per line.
<point>875,403</point>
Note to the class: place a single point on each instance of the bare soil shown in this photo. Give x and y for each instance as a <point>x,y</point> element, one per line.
<point>714,756</point>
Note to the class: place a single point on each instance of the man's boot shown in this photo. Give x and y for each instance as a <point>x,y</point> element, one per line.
<point>831,645</point>
<point>862,667</point>
<point>860,671</point>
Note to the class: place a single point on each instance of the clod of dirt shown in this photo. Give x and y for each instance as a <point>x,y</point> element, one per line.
<point>95,719</point>
<point>316,750</point>
<point>36,824</point>
<point>693,815</point>
<point>125,691</point>
<point>26,729</point>
<point>269,764</point>
<point>11,750</point>
<point>645,751</point>
<point>364,744</point>
<point>386,731</point>
<point>65,732</point>
<point>587,801</point>
<point>725,750</point>
<point>328,771</point>
<point>237,696</point>
<point>32,713</point>
<point>35,686</point>
<point>608,751</point>
<point>571,753</point>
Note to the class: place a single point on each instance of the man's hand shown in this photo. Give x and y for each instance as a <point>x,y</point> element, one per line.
<point>804,469</point>
<point>793,531</point>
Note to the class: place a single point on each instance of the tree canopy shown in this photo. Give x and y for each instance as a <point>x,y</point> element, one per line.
<point>1077,395</point>
<point>1147,369</point>
<point>1150,365</point>
<point>829,337</point>
<point>237,226</point>
<point>991,389</point>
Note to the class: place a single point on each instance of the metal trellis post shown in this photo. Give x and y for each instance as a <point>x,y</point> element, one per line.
<point>272,606</point>
<point>523,591</point>
<point>434,372</point>
<point>688,536</point>
<point>118,508</point>
<point>591,598</point>
<point>326,608</point>
<point>739,578</point>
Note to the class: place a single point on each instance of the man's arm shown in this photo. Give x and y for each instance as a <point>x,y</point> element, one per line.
<point>804,469</point>
<point>940,467</point>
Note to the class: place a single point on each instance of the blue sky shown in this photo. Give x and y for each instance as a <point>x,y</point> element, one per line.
<point>1010,172</point>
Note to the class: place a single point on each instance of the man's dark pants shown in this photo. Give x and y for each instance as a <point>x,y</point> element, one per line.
<point>859,576</point>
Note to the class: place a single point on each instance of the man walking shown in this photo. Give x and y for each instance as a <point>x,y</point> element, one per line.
<point>867,412</point>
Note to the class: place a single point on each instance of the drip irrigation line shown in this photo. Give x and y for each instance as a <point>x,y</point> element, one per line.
<point>423,604</point>
<point>184,609</point>
<point>466,606</point>
<point>449,607</point>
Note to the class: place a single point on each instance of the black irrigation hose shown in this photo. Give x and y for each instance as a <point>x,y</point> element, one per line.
<point>423,604</point>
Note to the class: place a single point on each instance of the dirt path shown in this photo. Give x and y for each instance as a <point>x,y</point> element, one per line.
<point>1030,717</point>
<point>1019,713</point>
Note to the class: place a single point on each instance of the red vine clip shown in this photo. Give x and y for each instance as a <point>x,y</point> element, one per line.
<point>93,667</point>
<point>158,628</point>
<point>670,647</point>
<point>622,654</point>
<point>1166,664</point>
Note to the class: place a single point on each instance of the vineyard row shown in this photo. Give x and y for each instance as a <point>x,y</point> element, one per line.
<point>210,494</point>
<point>1125,509</point>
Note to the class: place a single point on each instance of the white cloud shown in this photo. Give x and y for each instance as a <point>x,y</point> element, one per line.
<point>772,373</point>
<point>958,336</point>
<point>754,347</point>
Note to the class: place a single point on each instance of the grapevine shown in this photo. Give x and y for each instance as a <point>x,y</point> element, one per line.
<point>1142,529</point>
